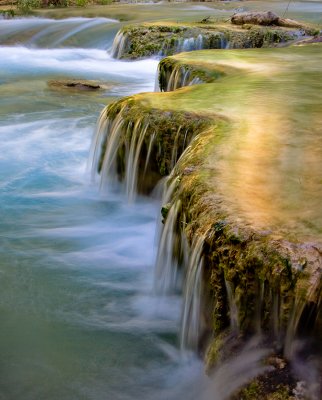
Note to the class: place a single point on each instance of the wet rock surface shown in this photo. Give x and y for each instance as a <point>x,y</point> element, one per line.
<point>75,84</point>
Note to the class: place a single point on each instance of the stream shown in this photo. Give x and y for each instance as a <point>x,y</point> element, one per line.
<point>81,316</point>
<point>78,316</point>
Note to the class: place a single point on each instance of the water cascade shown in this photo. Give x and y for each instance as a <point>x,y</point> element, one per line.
<point>172,75</point>
<point>166,270</point>
<point>192,297</point>
<point>120,45</point>
<point>183,44</point>
<point>77,319</point>
<point>140,41</point>
<point>125,145</point>
<point>245,296</point>
<point>77,316</point>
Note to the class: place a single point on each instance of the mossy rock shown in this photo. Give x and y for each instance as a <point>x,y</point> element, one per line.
<point>165,137</point>
<point>259,269</point>
<point>145,40</point>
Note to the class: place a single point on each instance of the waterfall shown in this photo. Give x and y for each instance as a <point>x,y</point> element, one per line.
<point>233,308</point>
<point>123,43</point>
<point>115,135</point>
<point>132,157</point>
<point>173,76</point>
<point>191,312</point>
<point>137,146</point>
<point>120,45</point>
<point>166,270</point>
<point>175,258</point>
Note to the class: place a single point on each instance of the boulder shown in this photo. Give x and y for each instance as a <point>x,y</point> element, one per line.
<point>255,17</point>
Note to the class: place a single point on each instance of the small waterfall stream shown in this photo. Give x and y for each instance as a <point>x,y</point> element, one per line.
<point>84,311</point>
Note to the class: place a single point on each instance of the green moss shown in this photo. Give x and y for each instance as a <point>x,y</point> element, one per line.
<point>149,39</point>
<point>255,390</point>
<point>258,263</point>
<point>166,135</point>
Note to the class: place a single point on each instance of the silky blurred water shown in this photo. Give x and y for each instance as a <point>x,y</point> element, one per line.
<point>78,318</point>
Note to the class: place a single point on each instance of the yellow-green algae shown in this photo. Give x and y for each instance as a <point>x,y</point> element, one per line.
<point>184,11</point>
<point>163,131</point>
<point>250,184</point>
<point>142,40</point>
<point>270,163</point>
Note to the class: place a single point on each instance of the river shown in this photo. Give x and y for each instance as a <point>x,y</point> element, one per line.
<point>78,316</point>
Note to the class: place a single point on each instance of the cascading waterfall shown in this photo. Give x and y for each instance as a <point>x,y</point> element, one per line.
<point>216,40</point>
<point>132,156</point>
<point>179,268</point>
<point>120,45</point>
<point>139,150</point>
<point>173,76</point>
<point>86,276</point>
<point>166,270</point>
<point>122,149</point>
<point>109,139</point>
<point>233,308</point>
<point>189,44</point>
<point>181,77</point>
<point>192,294</point>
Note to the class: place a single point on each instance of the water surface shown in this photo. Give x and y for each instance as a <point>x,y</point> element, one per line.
<point>78,317</point>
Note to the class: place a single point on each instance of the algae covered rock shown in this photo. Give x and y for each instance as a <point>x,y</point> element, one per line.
<point>75,84</point>
<point>137,41</point>
<point>146,142</point>
<point>237,214</point>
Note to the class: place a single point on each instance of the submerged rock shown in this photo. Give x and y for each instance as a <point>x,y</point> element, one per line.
<point>75,84</point>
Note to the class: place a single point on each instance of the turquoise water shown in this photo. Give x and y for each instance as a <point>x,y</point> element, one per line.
<point>78,317</point>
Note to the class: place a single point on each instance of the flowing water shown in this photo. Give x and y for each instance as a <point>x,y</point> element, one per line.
<point>81,314</point>
<point>78,317</point>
